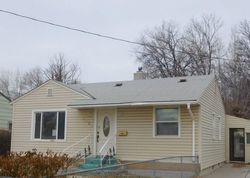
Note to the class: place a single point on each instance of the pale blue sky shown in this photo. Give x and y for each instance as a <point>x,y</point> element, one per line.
<point>25,44</point>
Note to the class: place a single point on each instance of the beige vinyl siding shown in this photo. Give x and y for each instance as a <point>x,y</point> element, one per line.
<point>79,122</point>
<point>236,122</point>
<point>212,151</point>
<point>5,113</point>
<point>140,143</point>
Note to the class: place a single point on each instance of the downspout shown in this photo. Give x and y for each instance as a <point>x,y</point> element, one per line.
<point>95,133</point>
<point>193,128</point>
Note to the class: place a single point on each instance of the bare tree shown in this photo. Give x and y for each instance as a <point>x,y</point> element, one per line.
<point>33,78</point>
<point>18,84</point>
<point>160,52</point>
<point>5,85</point>
<point>62,70</point>
<point>236,74</point>
<point>165,52</point>
<point>12,84</point>
<point>203,44</point>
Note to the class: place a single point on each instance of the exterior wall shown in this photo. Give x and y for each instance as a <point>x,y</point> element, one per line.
<point>5,113</point>
<point>211,151</point>
<point>140,144</point>
<point>236,122</point>
<point>79,123</point>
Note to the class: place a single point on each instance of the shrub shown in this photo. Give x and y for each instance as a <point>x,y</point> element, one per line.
<point>33,164</point>
<point>5,139</point>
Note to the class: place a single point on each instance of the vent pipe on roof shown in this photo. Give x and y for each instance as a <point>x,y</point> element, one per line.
<point>140,75</point>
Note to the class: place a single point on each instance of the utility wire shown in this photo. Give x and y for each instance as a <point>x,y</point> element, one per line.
<point>95,34</point>
<point>69,28</point>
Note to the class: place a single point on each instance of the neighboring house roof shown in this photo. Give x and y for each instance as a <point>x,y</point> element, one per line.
<point>143,91</point>
<point>1,94</point>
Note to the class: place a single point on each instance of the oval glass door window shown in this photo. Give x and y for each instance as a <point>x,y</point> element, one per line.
<point>106,126</point>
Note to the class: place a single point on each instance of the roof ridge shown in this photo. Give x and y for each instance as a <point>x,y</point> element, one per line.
<point>167,78</point>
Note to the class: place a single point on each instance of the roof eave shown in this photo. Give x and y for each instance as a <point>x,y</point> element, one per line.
<point>81,106</point>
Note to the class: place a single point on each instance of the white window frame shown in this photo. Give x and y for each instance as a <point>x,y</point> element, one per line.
<point>154,122</point>
<point>34,121</point>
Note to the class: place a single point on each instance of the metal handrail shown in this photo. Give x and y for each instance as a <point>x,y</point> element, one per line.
<point>76,143</point>
<point>103,152</point>
<point>104,145</point>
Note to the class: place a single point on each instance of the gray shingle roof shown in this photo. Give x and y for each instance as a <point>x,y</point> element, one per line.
<point>143,91</point>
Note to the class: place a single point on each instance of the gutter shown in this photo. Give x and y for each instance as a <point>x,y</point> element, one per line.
<point>79,106</point>
<point>193,128</point>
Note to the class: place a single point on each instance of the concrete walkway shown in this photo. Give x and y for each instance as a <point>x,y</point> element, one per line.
<point>231,171</point>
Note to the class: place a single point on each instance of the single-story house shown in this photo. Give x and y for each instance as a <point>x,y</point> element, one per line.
<point>5,113</point>
<point>141,119</point>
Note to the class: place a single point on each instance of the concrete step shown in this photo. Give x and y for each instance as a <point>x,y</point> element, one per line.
<point>95,162</point>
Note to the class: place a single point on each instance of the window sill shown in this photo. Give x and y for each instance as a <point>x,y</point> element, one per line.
<point>166,136</point>
<point>48,140</point>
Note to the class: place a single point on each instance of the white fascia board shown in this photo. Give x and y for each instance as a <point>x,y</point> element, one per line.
<point>133,104</point>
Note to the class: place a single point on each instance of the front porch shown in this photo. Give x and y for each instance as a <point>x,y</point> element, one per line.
<point>129,134</point>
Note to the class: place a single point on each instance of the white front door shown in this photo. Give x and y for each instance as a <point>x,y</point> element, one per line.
<point>105,126</point>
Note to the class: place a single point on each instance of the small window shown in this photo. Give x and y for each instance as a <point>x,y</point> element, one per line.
<point>49,125</point>
<point>50,92</point>
<point>248,138</point>
<point>167,121</point>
